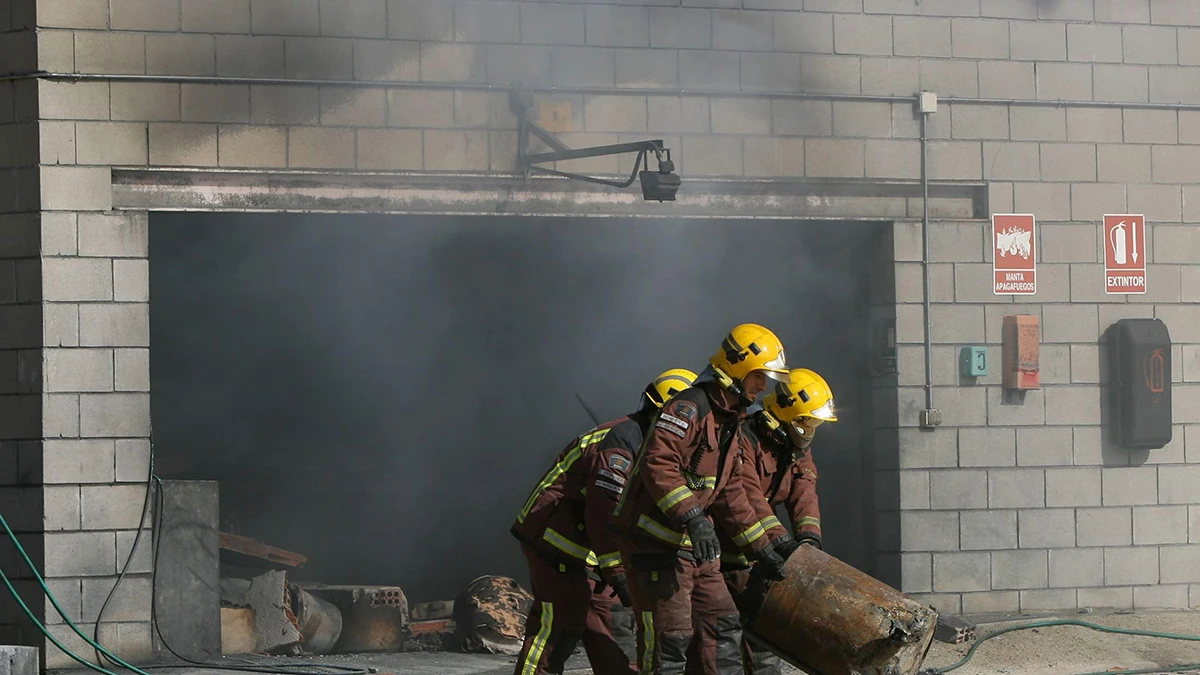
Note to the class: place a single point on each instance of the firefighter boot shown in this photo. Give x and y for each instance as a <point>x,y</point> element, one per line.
<point>729,644</point>
<point>673,654</point>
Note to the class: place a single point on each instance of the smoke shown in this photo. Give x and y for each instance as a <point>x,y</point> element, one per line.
<point>382,393</point>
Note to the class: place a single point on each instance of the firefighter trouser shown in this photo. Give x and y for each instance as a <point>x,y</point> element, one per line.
<point>676,602</point>
<point>566,610</point>
<point>755,659</point>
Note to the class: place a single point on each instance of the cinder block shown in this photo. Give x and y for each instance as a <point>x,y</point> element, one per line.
<point>1189,127</point>
<point>921,36</point>
<point>988,530</point>
<point>583,66</point>
<point>956,324</point>
<point>115,235</point>
<point>73,101</point>
<point>835,158</point>
<point>1093,43</point>
<point>1160,524</point>
<point>651,68</point>
<point>114,53</point>
<point>180,144</point>
<point>955,160</point>
<point>133,460</point>
<point>1160,597</point>
<point>61,325</point>
<point>56,142</point>
<point>1169,84</point>
<point>319,58</point>
<point>132,370</point>
<point>285,17</point>
<point>795,32</point>
<point>227,103</point>
<point>108,415</point>
<point>1189,47</point>
<point>681,28</point>
<point>312,147</point>
<point>394,61</point>
<point>1174,13</point>
<point>919,450</point>
<point>1088,199</point>
<point>80,554</point>
<point>929,531</point>
<point>916,572</point>
<point>771,72</point>
<point>617,26</point>
<point>550,24</point>
<point>1016,488</point>
<point>949,8</point>
<point>1183,329</point>
<point>1037,124</point>
<point>112,507</point>
<point>893,159</point>
<point>78,370</point>
<point>342,106</point>
<point>181,54</point>
<point>1123,163</point>
<point>216,16</point>
<point>456,150</point>
<point>1007,79</point>
<point>1085,364</point>
<point>76,279</point>
<point>1177,484</point>
<point>77,461</point>
<point>72,14</point>
<point>1130,566</point>
<point>721,69</point>
<point>1075,567</point>
<point>1011,161</point>
<point>1065,242</point>
<point>1070,323</point>
<point>950,77</point>
<point>443,62</point>
<point>250,56</point>
<point>831,74</point>
<point>1047,600</point>
<point>1122,11</point>
<point>863,34</point>
<point>257,146</point>
<point>1037,41</point>
<point>625,113</point>
<point>509,64</point>
<point>1151,126</point>
<point>958,489</point>
<point>984,121</point>
<point>1068,161</point>
<point>993,602</point>
<point>1019,569</point>
<point>914,490</point>
<point>889,77</point>
<point>59,509</point>
<point>1046,528</point>
<point>774,156</point>
<point>56,50</point>
<point>420,108</point>
<point>1150,45</point>
<point>1106,598</point>
<point>114,325</point>
<point>1094,125</point>
<point>1050,201</point>
<point>145,101</point>
<point>712,155</point>
<point>1064,81</point>
<point>986,447</point>
<point>1127,486</point>
<point>688,115</point>
<point>60,234</point>
<point>482,21</point>
<point>956,572</point>
<point>1087,283</point>
<point>800,118</point>
<point>910,326</point>
<point>420,20</point>
<point>141,563</point>
<point>130,602</point>
<point>1180,564</point>
<point>980,39</point>
<point>1044,446</point>
<point>354,18</point>
<point>1072,405</point>
<point>1159,203</point>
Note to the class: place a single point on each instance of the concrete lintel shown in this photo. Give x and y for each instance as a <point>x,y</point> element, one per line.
<point>489,194</point>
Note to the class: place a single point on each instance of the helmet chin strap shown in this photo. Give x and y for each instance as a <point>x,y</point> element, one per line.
<point>732,386</point>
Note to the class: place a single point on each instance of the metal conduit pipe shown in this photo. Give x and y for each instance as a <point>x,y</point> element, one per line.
<point>930,417</point>
<point>597,91</point>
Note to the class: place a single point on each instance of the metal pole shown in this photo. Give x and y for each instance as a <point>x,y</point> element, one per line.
<point>930,417</point>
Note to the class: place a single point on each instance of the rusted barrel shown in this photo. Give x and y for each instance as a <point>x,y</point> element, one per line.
<point>828,618</point>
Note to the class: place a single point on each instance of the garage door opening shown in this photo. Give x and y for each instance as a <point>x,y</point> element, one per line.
<point>381,393</point>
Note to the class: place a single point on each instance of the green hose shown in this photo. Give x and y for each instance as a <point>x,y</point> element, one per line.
<point>59,609</point>
<point>1084,624</point>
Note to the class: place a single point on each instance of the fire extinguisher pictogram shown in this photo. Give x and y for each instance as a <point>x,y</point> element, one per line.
<point>1153,367</point>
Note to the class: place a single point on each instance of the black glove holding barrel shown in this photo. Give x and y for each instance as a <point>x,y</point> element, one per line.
<point>770,564</point>
<point>785,546</point>
<point>705,546</point>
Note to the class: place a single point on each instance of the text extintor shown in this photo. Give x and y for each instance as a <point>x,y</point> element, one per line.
<point>1124,254</point>
<point>1014,254</point>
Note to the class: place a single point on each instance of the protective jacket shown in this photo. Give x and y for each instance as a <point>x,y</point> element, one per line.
<point>687,465</point>
<point>566,517</point>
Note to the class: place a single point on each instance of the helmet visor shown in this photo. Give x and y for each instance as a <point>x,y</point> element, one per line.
<point>825,413</point>
<point>776,368</point>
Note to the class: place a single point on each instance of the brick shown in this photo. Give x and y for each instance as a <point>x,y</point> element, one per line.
<point>285,17</point>
<point>216,16</point>
<point>1037,124</point>
<point>1075,567</point>
<point>1094,125</point>
<point>988,530</point>
<point>929,530</point>
<point>1050,201</point>
<point>80,554</point>
<point>678,28</point>
<point>1036,41</point>
<point>121,143</point>
<point>114,325</point>
<point>353,18</point>
<point>1011,161</point>
<point>863,34</point>
<point>1046,528</point>
<point>1016,488</point>
<point>145,101</point>
<point>774,157</point>
<point>420,20</point>
<point>1160,525</point>
<point>116,53</point>
<point>181,55</point>
<point>1122,11</point>
<point>78,100</point>
<point>961,571</point>
<point>1007,79</point>
<point>273,104</point>
<point>1068,162</point>
<point>1093,43</point>
<point>1064,81</point>
<point>441,62</point>
<point>250,56</point>
<point>1019,569</point>
<point>77,461</point>
<point>583,66</point>
<point>550,24</point>
<point>75,279</point>
<point>949,77</point>
<point>239,145</point>
<point>392,61</point>
<point>986,447</point>
<point>73,14</point>
<point>1177,484</point>
<point>1174,13</point>
<point>215,103</point>
<point>78,370</point>
<point>835,158</point>
<point>132,370</point>
<point>1047,600</point>
<point>183,144</point>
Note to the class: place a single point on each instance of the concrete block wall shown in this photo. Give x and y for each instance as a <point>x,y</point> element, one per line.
<point>982,506</point>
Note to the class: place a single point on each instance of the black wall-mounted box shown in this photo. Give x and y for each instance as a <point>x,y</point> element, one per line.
<point>1140,380</point>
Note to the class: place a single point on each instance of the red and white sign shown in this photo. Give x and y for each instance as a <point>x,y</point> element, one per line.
<point>1014,254</point>
<point>1124,254</point>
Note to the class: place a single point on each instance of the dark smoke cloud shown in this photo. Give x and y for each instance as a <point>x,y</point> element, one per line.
<point>381,393</point>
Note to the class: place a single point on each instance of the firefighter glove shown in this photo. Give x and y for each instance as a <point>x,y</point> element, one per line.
<point>785,546</point>
<point>620,587</point>
<point>705,546</point>
<point>770,564</point>
<point>809,540</point>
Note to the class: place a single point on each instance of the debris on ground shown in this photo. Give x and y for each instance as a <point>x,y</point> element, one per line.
<point>237,630</point>
<point>490,614</point>
<point>241,548</point>
<point>275,623</point>
<point>374,618</point>
<point>320,621</point>
<point>954,629</point>
<point>438,609</point>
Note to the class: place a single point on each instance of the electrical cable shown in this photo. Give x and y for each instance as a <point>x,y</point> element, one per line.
<point>1084,624</point>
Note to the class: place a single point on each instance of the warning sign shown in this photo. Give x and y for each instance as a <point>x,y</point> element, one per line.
<point>1124,254</point>
<point>1014,254</point>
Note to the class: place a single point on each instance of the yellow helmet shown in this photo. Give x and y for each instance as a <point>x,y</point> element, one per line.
<point>668,384</point>
<point>800,404</point>
<point>747,348</point>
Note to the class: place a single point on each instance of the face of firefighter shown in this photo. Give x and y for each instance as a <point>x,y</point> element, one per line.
<point>754,384</point>
<point>801,431</point>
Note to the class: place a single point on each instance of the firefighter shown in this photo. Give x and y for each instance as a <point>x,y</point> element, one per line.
<point>787,475</point>
<point>564,533</point>
<point>684,474</point>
